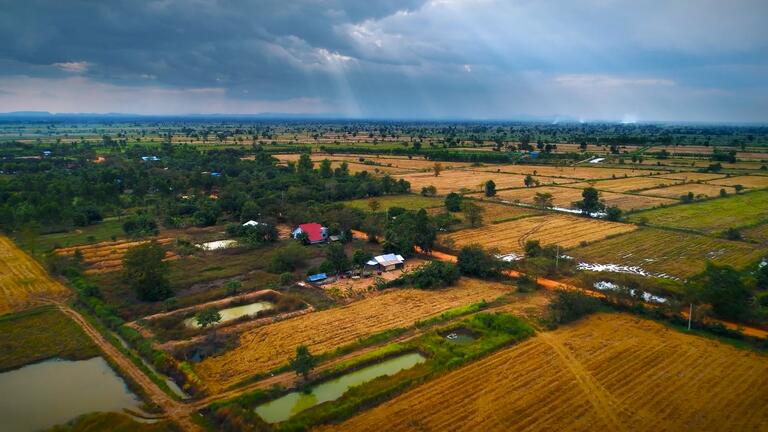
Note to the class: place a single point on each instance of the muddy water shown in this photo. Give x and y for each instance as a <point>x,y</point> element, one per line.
<point>44,394</point>
<point>285,407</point>
<point>235,312</point>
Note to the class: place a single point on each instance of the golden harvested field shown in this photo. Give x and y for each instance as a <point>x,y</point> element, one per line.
<point>107,257</point>
<point>510,237</point>
<point>758,233</point>
<point>628,184</point>
<point>472,181</point>
<point>698,189</point>
<point>746,181</point>
<point>565,196</point>
<point>579,173</point>
<point>691,176</point>
<point>403,163</point>
<point>493,212</point>
<point>673,253</point>
<point>23,280</point>
<point>611,372</point>
<point>264,348</point>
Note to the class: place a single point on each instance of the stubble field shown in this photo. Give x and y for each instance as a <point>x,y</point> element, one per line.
<point>23,280</point>
<point>606,372</point>
<point>579,173</point>
<point>510,237</point>
<point>107,257</point>
<point>698,189</point>
<point>264,348</point>
<point>472,181</point>
<point>566,196</point>
<point>758,182</point>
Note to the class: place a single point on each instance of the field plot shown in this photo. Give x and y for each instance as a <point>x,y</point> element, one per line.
<point>107,257</point>
<point>23,280</point>
<point>711,216</point>
<point>607,372</point>
<point>673,253</point>
<point>267,347</point>
<point>579,173</point>
<point>757,182</point>
<point>408,202</point>
<point>629,184</point>
<point>758,233</point>
<point>497,212</point>
<point>698,189</point>
<point>565,196</point>
<point>691,176</point>
<point>510,237</point>
<point>399,162</point>
<point>473,181</point>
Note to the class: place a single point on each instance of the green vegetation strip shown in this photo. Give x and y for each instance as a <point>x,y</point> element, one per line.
<point>39,334</point>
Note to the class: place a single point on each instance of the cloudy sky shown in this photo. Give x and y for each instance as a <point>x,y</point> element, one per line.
<point>673,60</point>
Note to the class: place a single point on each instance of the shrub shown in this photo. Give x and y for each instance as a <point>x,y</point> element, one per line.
<point>287,258</point>
<point>435,274</point>
<point>473,260</point>
<point>571,305</point>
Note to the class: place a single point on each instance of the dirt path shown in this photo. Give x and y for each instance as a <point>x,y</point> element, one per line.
<point>604,403</point>
<point>174,410</point>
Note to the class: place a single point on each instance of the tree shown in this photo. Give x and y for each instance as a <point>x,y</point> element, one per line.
<point>723,288</point>
<point>287,258</point>
<point>590,202</point>
<point>336,260</point>
<point>429,191</point>
<point>303,363</point>
<point>360,257</point>
<point>738,187</point>
<point>407,230</point>
<point>473,213</point>
<point>473,260</point>
<point>543,200</point>
<point>140,226</point>
<point>233,287</point>
<point>305,164</point>
<point>433,275</point>
<point>613,213</point>
<point>207,317</point>
<point>325,169</point>
<point>453,202</point>
<point>490,188</point>
<point>437,168</point>
<point>529,181</point>
<point>374,205</point>
<point>145,271</point>
<point>569,306</point>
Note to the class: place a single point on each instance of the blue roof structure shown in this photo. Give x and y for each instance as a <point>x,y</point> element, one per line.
<point>317,277</point>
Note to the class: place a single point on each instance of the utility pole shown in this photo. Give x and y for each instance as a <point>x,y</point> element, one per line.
<point>690,316</point>
<point>557,258</point>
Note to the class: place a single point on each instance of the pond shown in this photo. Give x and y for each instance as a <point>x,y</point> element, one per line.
<point>460,336</point>
<point>293,403</point>
<point>235,312</point>
<point>52,392</point>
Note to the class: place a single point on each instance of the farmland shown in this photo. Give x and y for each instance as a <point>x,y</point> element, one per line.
<point>566,196</point>
<point>698,189</point>
<point>629,184</point>
<point>607,372</point>
<point>464,180</point>
<point>23,280</point>
<point>107,257</point>
<point>577,172</point>
<point>711,216</point>
<point>670,252</point>
<point>510,237</point>
<point>264,348</point>
<point>408,202</point>
<point>758,182</point>
<point>690,176</point>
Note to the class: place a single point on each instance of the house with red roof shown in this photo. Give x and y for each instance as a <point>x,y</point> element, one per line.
<point>315,232</point>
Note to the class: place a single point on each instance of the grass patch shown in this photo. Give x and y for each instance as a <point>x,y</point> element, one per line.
<point>100,232</point>
<point>111,421</point>
<point>711,216</point>
<point>39,334</point>
<point>408,202</point>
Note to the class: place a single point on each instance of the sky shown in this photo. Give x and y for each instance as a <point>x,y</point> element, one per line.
<point>650,60</point>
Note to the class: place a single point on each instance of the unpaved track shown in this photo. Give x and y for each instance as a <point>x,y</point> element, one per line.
<point>174,410</point>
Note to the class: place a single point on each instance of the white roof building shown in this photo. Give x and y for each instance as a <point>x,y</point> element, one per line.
<point>387,262</point>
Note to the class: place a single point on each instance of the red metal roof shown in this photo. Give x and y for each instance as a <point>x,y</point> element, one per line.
<point>314,231</point>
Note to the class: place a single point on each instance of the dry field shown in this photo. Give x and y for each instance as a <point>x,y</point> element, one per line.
<point>264,348</point>
<point>698,189</point>
<point>107,257</point>
<point>674,253</point>
<point>402,164</point>
<point>579,173</point>
<point>691,176</point>
<point>23,280</point>
<point>565,196</point>
<point>473,181</point>
<point>493,212</point>
<point>510,237</point>
<point>758,233</point>
<point>746,181</point>
<point>628,184</point>
<point>610,372</point>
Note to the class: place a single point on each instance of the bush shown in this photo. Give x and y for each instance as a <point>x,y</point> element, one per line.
<point>140,226</point>
<point>453,202</point>
<point>435,274</point>
<point>570,305</point>
<point>473,260</point>
<point>287,258</point>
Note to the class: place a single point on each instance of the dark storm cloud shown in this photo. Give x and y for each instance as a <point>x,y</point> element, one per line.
<point>667,60</point>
